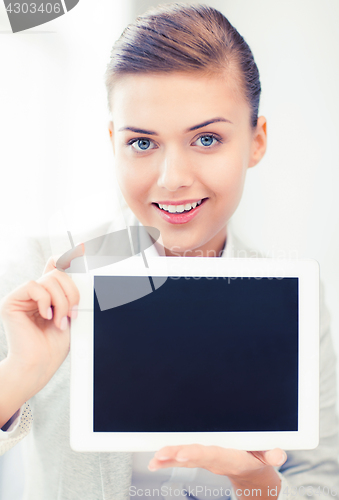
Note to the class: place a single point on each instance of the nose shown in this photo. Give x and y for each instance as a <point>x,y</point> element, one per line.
<point>175,170</point>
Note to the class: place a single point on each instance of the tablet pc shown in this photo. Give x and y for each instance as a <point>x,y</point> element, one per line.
<point>194,350</point>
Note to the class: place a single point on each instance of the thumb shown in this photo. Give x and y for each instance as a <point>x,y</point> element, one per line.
<point>63,262</point>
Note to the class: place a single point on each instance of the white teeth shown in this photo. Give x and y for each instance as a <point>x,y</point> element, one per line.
<point>179,208</point>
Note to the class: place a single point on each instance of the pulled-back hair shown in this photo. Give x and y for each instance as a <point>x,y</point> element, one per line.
<point>185,38</point>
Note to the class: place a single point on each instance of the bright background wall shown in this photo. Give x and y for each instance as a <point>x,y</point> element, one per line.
<point>54,143</point>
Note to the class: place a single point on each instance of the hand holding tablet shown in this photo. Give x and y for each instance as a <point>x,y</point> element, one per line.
<point>217,353</point>
<point>223,461</point>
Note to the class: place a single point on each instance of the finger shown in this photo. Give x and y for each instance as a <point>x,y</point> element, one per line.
<point>207,457</point>
<point>166,457</point>
<point>50,265</point>
<point>168,452</point>
<point>275,457</point>
<point>214,458</point>
<point>31,291</point>
<point>64,261</point>
<point>155,464</point>
<point>175,456</point>
<point>58,300</point>
<point>70,290</point>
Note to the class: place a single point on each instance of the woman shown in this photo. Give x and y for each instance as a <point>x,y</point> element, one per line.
<point>184,91</point>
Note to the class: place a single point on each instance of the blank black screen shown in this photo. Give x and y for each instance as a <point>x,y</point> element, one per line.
<point>198,355</point>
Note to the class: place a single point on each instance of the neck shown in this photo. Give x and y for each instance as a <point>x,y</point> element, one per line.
<point>213,248</point>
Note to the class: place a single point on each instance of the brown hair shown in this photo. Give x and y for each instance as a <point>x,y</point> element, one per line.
<point>185,38</point>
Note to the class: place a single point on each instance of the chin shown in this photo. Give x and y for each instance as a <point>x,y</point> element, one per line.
<point>178,248</point>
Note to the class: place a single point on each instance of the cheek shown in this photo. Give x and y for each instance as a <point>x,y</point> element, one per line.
<point>134,181</point>
<point>228,178</point>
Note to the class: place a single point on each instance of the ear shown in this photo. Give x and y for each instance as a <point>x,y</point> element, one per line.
<point>259,142</point>
<point>111,134</point>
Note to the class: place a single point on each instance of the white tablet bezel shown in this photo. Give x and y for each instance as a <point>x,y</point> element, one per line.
<point>82,436</point>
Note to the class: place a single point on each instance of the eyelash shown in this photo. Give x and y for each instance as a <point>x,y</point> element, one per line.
<point>133,141</point>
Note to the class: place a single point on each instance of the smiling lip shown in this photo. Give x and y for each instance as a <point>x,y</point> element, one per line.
<point>179,202</point>
<point>183,217</point>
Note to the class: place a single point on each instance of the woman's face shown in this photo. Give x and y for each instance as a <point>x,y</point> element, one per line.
<point>182,145</point>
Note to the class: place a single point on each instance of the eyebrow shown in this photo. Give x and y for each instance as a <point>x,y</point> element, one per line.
<point>138,130</point>
<point>195,127</point>
<point>204,124</point>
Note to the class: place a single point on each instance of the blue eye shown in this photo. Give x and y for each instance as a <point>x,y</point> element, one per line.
<point>207,140</point>
<point>143,144</point>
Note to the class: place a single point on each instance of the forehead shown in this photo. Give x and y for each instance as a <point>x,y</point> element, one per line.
<point>175,98</point>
